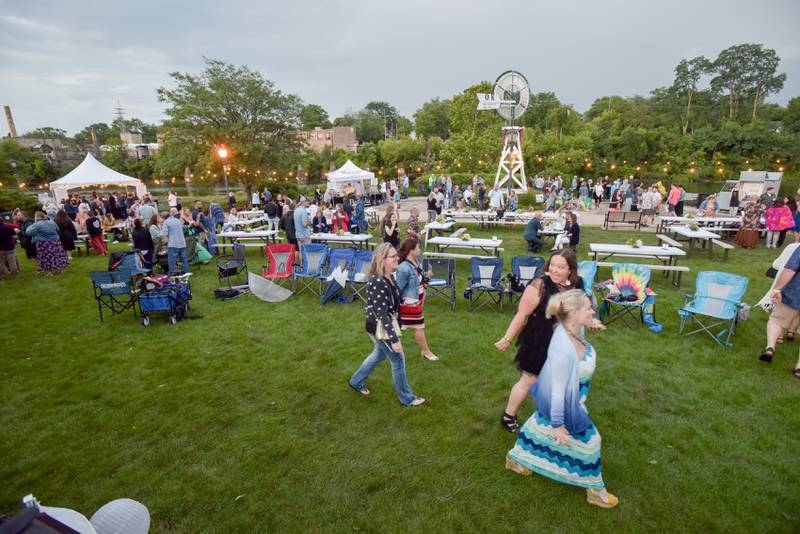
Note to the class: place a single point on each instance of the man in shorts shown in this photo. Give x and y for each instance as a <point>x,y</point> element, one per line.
<point>786,307</point>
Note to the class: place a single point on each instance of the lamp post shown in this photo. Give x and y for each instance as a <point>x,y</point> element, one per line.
<point>222,152</point>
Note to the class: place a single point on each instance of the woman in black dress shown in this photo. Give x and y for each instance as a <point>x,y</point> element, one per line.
<point>391,227</point>
<point>535,329</point>
<point>143,242</point>
<point>66,232</point>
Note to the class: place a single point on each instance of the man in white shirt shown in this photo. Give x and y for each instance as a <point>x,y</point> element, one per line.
<point>496,200</point>
<point>172,200</point>
<point>255,199</point>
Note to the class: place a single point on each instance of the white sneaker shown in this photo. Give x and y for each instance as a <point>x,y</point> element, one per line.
<point>430,356</point>
<point>419,401</point>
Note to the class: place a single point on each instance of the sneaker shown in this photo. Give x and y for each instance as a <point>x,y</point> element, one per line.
<point>419,401</point>
<point>430,356</point>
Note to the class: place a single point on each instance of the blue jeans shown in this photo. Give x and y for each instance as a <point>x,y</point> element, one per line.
<point>180,253</point>
<point>382,351</point>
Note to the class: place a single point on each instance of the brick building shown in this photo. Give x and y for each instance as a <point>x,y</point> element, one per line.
<point>343,137</point>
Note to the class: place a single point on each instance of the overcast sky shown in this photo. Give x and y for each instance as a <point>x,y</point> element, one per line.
<point>66,64</point>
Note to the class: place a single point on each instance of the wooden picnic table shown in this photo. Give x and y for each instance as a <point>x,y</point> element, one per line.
<point>695,236</point>
<point>236,236</point>
<point>488,246</point>
<point>357,240</point>
<point>667,255</point>
<point>720,221</point>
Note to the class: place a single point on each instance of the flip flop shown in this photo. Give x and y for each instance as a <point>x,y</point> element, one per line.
<point>593,498</point>
<point>363,391</point>
<point>796,373</point>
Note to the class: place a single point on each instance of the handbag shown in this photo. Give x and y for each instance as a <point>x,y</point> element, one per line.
<point>382,334</point>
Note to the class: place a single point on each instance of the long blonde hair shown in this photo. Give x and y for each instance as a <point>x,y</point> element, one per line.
<point>562,304</point>
<point>376,268</point>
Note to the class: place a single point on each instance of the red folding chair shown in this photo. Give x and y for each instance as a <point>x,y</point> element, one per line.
<point>280,266</point>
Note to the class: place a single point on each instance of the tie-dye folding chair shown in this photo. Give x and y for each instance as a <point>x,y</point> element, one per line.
<point>717,296</point>
<point>626,294</point>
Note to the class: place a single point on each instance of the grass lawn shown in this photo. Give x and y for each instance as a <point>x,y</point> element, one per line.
<point>240,420</point>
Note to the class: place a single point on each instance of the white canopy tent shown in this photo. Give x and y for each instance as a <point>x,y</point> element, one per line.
<point>350,173</point>
<point>93,173</point>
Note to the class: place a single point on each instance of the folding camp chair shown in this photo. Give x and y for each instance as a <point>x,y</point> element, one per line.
<point>231,265</point>
<point>114,290</point>
<point>314,256</point>
<point>523,270</point>
<point>718,296</point>
<point>337,257</point>
<point>485,282</point>
<point>587,270</point>
<point>626,293</point>
<point>443,283</point>
<point>280,267</point>
<point>358,274</point>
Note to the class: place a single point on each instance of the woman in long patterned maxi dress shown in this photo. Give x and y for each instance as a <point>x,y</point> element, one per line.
<point>559,440</point>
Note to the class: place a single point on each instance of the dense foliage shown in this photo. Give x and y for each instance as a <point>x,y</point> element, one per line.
<point>711,123</point>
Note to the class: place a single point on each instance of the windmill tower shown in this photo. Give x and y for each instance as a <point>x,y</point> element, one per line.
<point>509,97</point>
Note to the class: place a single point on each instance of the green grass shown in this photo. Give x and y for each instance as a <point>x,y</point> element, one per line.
<point>250,399</point>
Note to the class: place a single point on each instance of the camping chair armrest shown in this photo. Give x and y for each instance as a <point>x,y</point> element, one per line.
<point>735,302</point>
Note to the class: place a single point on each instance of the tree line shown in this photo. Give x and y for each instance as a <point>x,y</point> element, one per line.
<point>712,122</point>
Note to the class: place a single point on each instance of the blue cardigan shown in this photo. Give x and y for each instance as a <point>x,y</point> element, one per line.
<point>557,391</point>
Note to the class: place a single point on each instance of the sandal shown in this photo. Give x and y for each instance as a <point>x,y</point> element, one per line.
<point>790,336</point>
<point>593,497</point>
<point>767,354</point>
<point>796,373</point>
<point>509,422</point>
<point>517,468</point>
<point>363,391</point>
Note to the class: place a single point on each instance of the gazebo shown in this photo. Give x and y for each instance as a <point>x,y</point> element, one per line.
<point>92,173</point>
<point>350,173</point>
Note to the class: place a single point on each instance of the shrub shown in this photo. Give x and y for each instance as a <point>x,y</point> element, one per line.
<point>11,200</point>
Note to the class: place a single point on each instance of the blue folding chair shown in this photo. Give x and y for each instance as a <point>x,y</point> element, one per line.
<point>443,283</point>
<point>485,283</point>
<point>337,257</point>
<point>114,290</point>
<point>717,296</point>
<point>359,273</point>
<point>523,270</point>
<point>314,256</point>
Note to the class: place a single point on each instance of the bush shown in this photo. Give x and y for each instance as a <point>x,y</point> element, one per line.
<point>11,200</point>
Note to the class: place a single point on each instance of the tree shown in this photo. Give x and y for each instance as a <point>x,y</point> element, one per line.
<point>762,75</point>
<point>687,76</point>
<point>791,120</point>
<point>387,112</point>
<point>370,127</point>
<point>403,126</point>
<point>46,132</point>
<point>102,132</point>
<point>234,106</point>
<point>28,166</point>
<point>313,115</point>
<point>464,116</point>
<point>562,118</point>
<point>539,106</point>
<point>433,119</point>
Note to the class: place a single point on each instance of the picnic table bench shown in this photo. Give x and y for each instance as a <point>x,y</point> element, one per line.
<point>623,217</point>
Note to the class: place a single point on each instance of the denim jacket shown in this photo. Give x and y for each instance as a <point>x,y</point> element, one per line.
<point>407,281</point>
